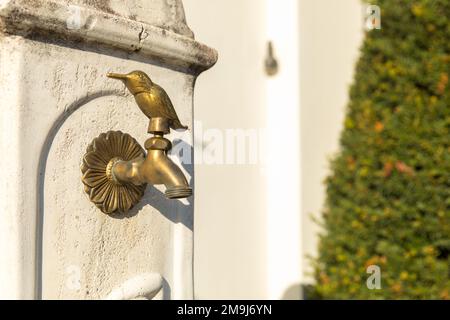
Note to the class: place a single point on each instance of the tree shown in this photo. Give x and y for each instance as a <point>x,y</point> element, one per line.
<point>388,196</point>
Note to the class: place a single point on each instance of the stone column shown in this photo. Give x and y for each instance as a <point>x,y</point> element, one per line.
<point>54,56</point>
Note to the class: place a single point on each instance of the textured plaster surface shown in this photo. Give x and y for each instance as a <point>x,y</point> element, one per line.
<point>55,244</point>
<point>96,23</point>
<point>165,14</point>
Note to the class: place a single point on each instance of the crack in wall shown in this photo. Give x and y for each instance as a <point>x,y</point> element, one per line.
<point>143,34</point>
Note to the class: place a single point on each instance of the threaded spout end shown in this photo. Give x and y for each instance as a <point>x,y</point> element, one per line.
<point>178,192</point>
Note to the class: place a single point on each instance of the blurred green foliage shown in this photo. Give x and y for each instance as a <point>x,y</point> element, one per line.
<point>388,197</point>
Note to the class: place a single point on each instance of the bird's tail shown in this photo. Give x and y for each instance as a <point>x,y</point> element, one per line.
<point>176,124</point>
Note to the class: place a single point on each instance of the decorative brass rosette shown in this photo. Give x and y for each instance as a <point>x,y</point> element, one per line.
<point>107,194</point>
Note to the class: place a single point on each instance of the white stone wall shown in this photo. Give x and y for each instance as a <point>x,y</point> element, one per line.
<point>55,244</point>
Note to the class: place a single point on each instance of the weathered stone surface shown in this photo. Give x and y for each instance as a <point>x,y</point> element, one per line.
<point>72,22</point>
<point>166,14</point>
<point>55,99</point>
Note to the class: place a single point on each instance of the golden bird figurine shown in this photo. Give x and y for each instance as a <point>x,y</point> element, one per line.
<point>150,97</point>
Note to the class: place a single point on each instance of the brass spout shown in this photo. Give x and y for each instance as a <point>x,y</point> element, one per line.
<point>155,168</point>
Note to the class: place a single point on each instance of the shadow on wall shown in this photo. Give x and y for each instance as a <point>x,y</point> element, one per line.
<point>300,292</point>
<point>158,200</point>
<point>294,292</point>
<point>166,289</point>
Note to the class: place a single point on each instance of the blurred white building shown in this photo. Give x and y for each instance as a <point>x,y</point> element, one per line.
<point>253,226</point>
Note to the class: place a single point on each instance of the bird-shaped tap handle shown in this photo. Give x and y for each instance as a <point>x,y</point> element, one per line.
<point>150,97</point>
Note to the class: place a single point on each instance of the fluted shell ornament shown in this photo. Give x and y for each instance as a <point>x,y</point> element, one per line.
<point>107,194</point>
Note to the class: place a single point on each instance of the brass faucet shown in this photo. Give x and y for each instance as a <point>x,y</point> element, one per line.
<point>115,168</point>
<point>156,167</point>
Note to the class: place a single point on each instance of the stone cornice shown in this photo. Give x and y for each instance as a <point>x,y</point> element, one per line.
<point>56,20</point>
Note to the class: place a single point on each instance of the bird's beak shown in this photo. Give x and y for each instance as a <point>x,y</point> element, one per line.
<point>117,76</point>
